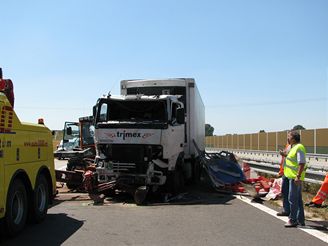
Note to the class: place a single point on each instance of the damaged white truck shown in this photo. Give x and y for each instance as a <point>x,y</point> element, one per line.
<point>144,137</point>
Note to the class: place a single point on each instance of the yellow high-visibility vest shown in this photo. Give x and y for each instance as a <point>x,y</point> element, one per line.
<point>291,165</point>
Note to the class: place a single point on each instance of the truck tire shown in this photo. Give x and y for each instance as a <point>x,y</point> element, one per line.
<point>16,208</point>
<point>40,199</point>
<point>176,181</point>
<point>177,177</point>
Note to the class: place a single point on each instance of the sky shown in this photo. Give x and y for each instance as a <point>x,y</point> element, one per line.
<point>259,65</point>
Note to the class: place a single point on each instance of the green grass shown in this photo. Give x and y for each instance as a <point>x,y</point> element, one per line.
<point>309,191</point>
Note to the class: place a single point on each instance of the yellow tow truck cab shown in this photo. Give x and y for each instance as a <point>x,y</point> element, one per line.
<point>27,175</point>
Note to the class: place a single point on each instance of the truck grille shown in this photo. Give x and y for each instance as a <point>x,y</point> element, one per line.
<point>129,158</point>
<point>124,167</point>
<point>128,153</point>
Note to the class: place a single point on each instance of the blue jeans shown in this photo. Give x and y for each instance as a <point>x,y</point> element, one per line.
<point>295,202</point>
<point>285,193</point>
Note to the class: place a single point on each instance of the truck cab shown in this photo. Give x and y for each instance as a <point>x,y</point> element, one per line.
<point>139,138</point>
<point>78,140</point>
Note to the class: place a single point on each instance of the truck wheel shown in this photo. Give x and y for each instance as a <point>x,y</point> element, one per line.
<point>176,181</point>
<point>16,208</point>
<point>40,199</point>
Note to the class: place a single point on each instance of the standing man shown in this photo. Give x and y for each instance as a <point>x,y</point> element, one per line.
<point>285,182</point>
<point>294,170</point>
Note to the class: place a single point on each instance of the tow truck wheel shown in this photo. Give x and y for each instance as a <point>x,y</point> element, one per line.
<point>16,208</point>
<point>40,199</point>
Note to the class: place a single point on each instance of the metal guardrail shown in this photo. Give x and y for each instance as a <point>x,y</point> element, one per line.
<point>268,162</point>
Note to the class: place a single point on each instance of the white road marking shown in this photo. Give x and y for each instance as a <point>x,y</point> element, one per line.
<point>313,232</point>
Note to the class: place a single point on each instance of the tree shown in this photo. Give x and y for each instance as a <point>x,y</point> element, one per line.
<point>209,130</point>
<point>298,127</point>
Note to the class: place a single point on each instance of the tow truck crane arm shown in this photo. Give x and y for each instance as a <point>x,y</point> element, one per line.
<point>6,85</point>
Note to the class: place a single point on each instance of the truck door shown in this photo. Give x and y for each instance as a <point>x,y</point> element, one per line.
<point>87,134</point>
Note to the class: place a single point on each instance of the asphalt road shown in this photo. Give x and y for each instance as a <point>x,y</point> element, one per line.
<point>203,218</point>
<point>200,217</point>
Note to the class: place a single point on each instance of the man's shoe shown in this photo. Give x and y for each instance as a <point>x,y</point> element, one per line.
<point>307,204</point>
<point>313,205</point>
<point>282,214</point>
<point>290,224</point>
<point>302,224</point>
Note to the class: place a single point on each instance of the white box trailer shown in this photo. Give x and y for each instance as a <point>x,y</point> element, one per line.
<point>194,106</point>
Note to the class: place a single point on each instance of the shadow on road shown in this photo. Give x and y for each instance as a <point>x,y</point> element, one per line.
<point>192,195</point>
<point>317,225</point>
<point>55,230</point>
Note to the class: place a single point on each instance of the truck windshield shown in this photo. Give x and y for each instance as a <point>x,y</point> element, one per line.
<point>133,111</point>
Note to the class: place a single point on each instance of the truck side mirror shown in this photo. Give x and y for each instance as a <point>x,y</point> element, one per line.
<point>69,131</point>
<point>94,111</point>
<point>180,116</point>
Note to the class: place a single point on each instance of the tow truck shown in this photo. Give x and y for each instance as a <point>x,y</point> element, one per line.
<point>27,174</point>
